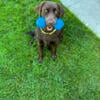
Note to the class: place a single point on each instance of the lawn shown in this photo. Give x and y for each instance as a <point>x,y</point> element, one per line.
<point>74,75</point>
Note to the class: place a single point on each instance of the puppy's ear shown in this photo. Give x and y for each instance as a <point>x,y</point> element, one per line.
<point>61,10</point>
<point>39,8</point>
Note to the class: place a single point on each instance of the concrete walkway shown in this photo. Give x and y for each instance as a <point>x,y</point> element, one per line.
<point>88,11</point>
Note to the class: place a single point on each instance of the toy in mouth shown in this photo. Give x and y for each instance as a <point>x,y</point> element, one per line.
<point>49,28</point>
<point>41,23</point>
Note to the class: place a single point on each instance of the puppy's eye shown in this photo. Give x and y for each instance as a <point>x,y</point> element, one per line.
<point>46,10</point>
<point>55,11</point>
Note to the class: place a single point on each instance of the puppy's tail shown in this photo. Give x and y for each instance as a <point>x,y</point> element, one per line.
<point>31,33</point>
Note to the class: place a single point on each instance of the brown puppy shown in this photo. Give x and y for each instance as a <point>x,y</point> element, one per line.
<point>51,11</point>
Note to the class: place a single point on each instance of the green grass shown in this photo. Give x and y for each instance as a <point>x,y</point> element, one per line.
<point>74,75</point>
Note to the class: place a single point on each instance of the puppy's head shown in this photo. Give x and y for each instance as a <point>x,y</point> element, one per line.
<point>51,11</point>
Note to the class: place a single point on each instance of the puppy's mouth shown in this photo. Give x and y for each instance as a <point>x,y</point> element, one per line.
<point>49,28</point>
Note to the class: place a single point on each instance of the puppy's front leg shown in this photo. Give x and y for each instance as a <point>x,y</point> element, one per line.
<point>41,45</point>
<point>54,48</point>
<point>60,35</point>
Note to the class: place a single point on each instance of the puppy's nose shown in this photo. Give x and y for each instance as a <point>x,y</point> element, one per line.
<point>51,22</point>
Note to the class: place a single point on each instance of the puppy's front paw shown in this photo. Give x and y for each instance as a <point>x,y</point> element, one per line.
<point>40,59</point>
<point>54,57</point>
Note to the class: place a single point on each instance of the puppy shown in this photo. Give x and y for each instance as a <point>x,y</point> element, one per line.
<point>50,11</point>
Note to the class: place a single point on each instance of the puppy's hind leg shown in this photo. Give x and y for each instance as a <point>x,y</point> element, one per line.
<point>32,40</point>
<point>33,37</point>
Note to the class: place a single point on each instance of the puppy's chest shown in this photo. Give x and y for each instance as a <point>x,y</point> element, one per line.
<point>48,39</point>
